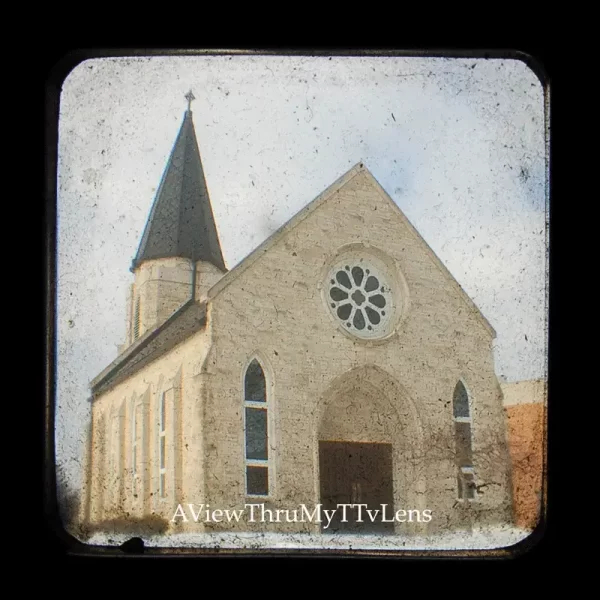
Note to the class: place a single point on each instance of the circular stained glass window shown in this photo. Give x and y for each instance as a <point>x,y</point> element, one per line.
<point>359,295</point>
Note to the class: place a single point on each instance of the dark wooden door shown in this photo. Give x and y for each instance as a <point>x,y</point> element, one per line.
<point>357,473</point>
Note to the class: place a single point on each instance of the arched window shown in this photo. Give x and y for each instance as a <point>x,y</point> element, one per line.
<point>165,443</point>
<point>256,431</point>
<point>101,461</point>
<point>137,447</point>
<point>462,437</point>
<point>114,475</point>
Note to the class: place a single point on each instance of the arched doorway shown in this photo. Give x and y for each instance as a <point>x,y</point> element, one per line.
<point>368,450</point>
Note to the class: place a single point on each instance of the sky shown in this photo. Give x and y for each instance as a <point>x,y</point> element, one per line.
<point>459,145</point>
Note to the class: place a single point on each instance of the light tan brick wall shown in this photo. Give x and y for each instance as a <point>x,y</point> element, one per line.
<point>525,403</point>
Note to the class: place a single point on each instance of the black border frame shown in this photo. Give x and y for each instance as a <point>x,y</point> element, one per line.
<point>62,540</point>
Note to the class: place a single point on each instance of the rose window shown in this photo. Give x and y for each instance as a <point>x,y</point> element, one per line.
<point>359,296</point>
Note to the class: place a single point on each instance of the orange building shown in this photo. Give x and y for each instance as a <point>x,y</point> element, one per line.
<point>525,403</point>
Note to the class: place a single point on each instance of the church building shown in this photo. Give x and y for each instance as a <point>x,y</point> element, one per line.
<point>339,362</point>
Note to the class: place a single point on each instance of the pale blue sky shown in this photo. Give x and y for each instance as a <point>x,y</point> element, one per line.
<point>457,143</point>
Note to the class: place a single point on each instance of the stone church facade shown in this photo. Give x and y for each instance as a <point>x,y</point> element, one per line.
<point>340,362</point>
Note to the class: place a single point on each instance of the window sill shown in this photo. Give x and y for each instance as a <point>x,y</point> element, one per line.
<point>264,498</point>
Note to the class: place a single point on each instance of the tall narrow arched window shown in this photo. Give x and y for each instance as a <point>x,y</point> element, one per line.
<point>256,431</point>
<point>100,436</point>
<point>137,448</point>
<point>113,478</point>
<point>462,437</point>
<point>166,441</point>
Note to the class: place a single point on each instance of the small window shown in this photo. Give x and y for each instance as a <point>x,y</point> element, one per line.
<point>255,383</point>
<point>102,466</point>
<point>115,445</point>
<point>466,484</point>
<point>463,443</point>
<point>136,320</point>
<point>460,402</point>
<point>162,447</point>
<point>136,448</point>
<point>464,452</point>
<point>256,434</point>
<point>257,481</point>
<point>256,431</point>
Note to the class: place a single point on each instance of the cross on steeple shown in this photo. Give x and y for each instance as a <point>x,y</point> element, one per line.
<point>189,97</point>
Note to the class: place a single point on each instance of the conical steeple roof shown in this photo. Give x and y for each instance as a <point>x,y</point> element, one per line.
<point>181,222</point>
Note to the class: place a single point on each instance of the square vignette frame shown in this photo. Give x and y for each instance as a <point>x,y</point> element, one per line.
<point>67,544</point>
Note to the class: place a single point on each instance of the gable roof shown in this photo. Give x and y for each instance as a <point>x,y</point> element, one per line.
<point>314,205</point>
<point>181,221</point>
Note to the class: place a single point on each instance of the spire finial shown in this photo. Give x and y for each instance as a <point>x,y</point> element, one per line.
<point>189,97</point>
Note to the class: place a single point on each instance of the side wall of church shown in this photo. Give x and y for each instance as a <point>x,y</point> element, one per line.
<point>134,472</point>
<point>274,311</point>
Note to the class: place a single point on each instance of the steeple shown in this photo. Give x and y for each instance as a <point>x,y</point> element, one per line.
<point>181,222</point>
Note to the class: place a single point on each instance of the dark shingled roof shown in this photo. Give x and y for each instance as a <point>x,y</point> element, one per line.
<point>189,319</point>
<point>181,222</point>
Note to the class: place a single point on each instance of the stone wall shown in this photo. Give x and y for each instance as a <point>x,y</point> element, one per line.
<point>111,489</point>
<point>273,308</point>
